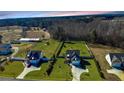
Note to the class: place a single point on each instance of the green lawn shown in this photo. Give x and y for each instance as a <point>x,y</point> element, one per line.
<point>75,45</point>
<point>48,52</point>
<point>79,45</point>
<point>61,71</point>
<point>15,68</point>
<point>93,74</point>
<point>12,69</point>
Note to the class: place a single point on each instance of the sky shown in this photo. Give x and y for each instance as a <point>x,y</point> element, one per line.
<point>26,14</point>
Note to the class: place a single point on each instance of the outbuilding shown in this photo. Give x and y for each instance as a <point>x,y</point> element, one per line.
<point>29,39</point>
<point>116,60</point>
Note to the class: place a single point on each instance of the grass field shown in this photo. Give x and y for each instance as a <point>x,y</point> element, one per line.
<point>75,45</point>
<point>48,52</point>
<point>93,71</point>
<point>13,69</point>
<point>93,74</point>
<point>61,71</point>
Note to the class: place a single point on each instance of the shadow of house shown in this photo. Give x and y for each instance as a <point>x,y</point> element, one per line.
<point>84,63</point>
<point>73,57</point>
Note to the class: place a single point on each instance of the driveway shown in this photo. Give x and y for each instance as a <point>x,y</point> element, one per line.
<point>117,72</point>
<point>26,71</point>
<point>76,72</point>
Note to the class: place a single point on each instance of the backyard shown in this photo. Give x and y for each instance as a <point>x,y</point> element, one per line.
<point>100,51</point>
<point>60,71</point>
<point>93,73</point>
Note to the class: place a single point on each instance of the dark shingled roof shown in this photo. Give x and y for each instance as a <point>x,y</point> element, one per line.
<point>117,57</point>
<point>77,52</point>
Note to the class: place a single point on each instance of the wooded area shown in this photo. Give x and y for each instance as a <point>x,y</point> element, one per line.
<point>107,30</point>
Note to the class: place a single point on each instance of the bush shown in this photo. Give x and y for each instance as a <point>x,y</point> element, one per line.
<point>2,68</point>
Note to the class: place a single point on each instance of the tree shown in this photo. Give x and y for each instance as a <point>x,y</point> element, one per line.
<point>1,38</point>
<point>94,36</point>
<point>2,68</point>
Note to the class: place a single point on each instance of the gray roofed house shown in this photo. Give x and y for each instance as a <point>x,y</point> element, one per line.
<point>116,60</point>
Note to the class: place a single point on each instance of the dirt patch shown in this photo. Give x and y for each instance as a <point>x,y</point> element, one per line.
<point>38,34</point>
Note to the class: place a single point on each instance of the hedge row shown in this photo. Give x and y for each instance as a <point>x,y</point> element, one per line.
<point>55,55</point>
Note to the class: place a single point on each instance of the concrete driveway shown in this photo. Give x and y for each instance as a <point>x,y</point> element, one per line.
<point>117,72</point>
<point>76,72</point>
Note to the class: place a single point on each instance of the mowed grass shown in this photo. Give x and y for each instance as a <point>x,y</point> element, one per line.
<point>48,51</point>
<point>100,51</point>
<point>13,69</point>
<point>61,71</point>
<point>93,73</point>
<point>75,45</point>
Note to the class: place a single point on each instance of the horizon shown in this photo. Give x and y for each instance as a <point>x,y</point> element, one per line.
<point>32,14</point>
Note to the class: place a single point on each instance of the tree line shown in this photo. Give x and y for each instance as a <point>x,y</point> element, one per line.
<point>95,29</point>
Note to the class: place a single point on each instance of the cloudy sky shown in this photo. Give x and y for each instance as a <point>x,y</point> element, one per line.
<point>25,14</point>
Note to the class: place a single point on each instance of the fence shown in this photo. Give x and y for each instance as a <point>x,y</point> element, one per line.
<point>96,62</point>
<point>55,55</point>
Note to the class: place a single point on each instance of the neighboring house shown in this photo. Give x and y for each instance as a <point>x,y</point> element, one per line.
<point>116,60</point>
<point>73,56</point>
<point>5,49</point>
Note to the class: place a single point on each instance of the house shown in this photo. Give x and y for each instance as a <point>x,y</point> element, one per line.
<point>73,57</point>
<point>29,39</point>
<point>116,60</point>
<point>35,58</point>
<point>5,49</point>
